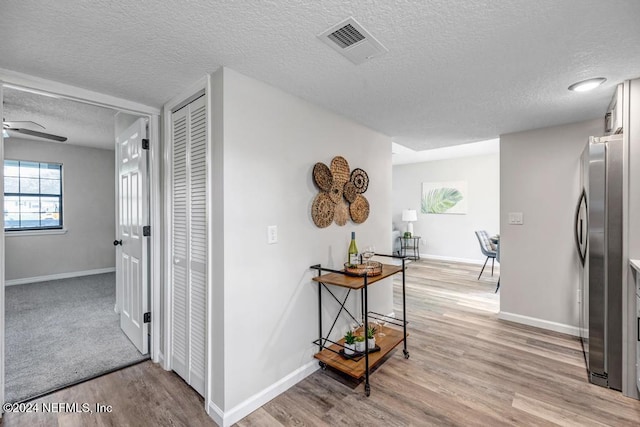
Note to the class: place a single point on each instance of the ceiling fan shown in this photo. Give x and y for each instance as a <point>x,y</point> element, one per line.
<point>16,127</point>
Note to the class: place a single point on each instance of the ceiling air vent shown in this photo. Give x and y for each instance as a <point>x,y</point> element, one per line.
<point>351,40</point>
<point>346,36</point>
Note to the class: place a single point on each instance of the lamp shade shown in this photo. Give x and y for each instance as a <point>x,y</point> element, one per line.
<point>409,215</point>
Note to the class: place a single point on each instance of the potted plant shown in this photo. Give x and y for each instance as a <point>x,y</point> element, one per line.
<point>360,344</point>
<point>349,343</point>
<point>371,338</point>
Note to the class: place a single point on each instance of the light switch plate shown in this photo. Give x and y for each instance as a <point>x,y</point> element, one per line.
<point>272,234</point>
<point>515,218</point>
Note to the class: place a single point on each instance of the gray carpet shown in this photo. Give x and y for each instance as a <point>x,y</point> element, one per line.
<point>61,332</point>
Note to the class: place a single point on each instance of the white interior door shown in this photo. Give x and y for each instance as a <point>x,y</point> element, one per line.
<point>132,268</point>
<point>189,243</point>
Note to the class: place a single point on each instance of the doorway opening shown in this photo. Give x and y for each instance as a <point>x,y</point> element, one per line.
<point>62,209</point>
<point>446,210</point>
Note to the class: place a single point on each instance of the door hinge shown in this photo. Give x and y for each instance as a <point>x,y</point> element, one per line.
<point>145,144</point>
<point>146,230</point>
<point>147,317</point>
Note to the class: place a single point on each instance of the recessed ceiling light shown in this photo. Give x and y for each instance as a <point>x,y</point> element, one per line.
<point>587,85</point>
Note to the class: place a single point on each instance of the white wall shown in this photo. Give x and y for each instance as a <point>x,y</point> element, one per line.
<point>270,141</point>
<point>451,236</point>
<point>88,203</point>
<point>539,270</point>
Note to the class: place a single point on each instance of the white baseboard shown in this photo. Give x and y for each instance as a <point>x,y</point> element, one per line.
<point>58,276</point>
<point>540,323</point>
<point>454,259</point>
<point>216,414</point>
<point>159,359</point>
<point>235,414</point>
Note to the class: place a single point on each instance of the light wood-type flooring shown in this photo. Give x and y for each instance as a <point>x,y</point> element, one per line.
<point>467,368</point>
<point>140,395</point>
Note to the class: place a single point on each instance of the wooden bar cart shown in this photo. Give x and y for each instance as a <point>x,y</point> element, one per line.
<point>330,353</point>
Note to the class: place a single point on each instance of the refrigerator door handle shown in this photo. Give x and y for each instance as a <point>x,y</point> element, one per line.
<point>581,224</point>
<point>581,231</point>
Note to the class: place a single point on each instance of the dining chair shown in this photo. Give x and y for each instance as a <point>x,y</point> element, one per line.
<point>487,250</point>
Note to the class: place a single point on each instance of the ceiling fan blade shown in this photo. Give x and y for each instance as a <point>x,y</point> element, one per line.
<point>11,124</point>
<point>39,134</point>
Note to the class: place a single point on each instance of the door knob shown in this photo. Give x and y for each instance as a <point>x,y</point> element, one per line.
<point>117,242</point>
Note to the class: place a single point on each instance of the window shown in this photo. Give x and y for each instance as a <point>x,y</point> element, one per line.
<point>32,195</point>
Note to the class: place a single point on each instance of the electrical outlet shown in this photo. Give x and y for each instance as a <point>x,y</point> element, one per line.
<point>515,218</point>
<point>272,234</point>
<point>579,296</point>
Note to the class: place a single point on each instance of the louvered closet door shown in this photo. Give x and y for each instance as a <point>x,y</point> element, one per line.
<point>198,241</point>
<point>189,243</point>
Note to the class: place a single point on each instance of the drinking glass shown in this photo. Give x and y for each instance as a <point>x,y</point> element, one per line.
<point>367,253</point>
<point>365,256</point>
<point>381,322</point>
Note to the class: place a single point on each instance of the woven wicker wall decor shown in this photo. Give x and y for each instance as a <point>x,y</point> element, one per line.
<point>323,210</point>
<point>341,215</point>
<point>341,194</point>
<point>322,176</point>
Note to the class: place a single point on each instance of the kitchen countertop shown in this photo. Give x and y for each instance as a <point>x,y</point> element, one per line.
<point>635,263</point>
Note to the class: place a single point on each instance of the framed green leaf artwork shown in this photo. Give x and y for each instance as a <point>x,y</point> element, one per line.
<point>444,197</point>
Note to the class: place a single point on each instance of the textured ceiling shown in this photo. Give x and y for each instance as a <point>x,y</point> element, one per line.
<point>82,124</point>
<point>456,71</point>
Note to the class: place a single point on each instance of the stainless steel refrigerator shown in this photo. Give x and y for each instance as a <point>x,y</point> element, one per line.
<point>598,229</point>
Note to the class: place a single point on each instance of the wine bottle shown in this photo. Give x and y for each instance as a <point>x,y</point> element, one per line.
<point>353,250</point>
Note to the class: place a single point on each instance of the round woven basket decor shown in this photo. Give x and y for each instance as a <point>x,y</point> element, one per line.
<point>336,192</point>
<point>359,209</point>
<point>349,191</point>
<point>340,170</point>
<point>341,215</point>
<point>372,268</point>
<point>322,176</point>
<point>360,179</point>
<point>322,210</point>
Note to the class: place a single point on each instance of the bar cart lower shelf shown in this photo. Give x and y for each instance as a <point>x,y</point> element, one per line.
<point>329,352</point>
<point>355,367</point>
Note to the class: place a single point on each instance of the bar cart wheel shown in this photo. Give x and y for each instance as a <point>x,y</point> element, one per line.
<point>406,354</point>
<point>367,390</point>
<point>323,366</point>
